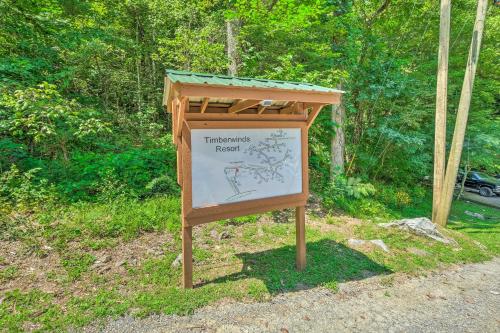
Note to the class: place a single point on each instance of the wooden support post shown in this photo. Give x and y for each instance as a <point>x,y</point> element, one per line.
<point>300,234</point>
<point>187,256</point>
<point>462,115</point>
<point>441,106</point>
<point>183,109</point>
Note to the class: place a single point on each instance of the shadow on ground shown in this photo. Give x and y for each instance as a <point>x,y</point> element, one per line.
<point>328,263</point>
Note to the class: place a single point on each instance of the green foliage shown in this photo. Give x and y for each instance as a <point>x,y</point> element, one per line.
<point>42,119</point>
<point>77,263</point>
<point>162,185</point>
<point>84,158</point>
<point>22,191</point>
<point>342,187</point>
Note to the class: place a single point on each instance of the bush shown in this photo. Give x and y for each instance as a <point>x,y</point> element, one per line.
<point>133,169</point>
<point>162,185</point>
<point>22,191</point>
<point>342,188</point>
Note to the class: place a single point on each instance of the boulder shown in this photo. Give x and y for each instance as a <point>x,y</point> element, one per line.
<point>421,226</point>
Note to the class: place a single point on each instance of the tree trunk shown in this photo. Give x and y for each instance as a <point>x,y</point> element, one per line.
<point>338,141</point>
<point>462,184</point>
<point>462,115</point>
<point>441,105</point>
<point>138,68</point>
<point>232,47</point>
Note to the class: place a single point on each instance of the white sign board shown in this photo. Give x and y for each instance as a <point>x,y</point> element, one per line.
<point>234,165</point>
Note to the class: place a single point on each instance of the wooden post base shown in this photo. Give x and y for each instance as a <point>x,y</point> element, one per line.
<point>187,256</point>
<point>300,234</point>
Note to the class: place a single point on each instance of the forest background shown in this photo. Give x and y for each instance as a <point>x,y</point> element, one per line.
<point>81,84</point>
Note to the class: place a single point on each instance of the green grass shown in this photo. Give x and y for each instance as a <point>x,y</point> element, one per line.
<point>255,262</point>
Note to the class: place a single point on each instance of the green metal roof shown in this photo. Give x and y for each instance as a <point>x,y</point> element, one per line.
<point>224,80</point>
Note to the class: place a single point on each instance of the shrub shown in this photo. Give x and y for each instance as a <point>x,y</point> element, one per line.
<point>162,185</point>
<point>22,191</point>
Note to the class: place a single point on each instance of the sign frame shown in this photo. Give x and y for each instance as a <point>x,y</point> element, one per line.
<point>207,101</point>
<point>195,216</point>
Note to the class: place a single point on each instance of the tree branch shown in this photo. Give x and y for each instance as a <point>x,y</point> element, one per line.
<point>379,11</point>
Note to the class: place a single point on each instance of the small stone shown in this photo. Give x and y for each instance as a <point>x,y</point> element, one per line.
<point>301,286</point>
<point>418,252</point>
<point>224,235</point>
<point>104,269</point>
<point>283,330</point>
<point>214,234</point>
<point>105,259</point>
<point>177,262</point>
<point>355,242</point>
<point>120,263</point>
<point>473,214</point>
<point>96,265</point>
<point>495,292</point>
<point>481,246</point>
<point>380,243</point>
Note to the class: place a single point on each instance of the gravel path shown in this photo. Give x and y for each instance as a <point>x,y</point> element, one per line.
<point>461,299</point>
<point>489,201</point>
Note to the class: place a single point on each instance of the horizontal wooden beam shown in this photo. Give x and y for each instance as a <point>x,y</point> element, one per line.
<point>243,105</point>
<point>239,116</point>
<point>258,94</point>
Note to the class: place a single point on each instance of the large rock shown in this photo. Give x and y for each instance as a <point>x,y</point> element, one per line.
<point>421,226</point>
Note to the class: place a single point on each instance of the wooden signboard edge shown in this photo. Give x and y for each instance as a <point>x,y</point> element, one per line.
<point>240,208</point>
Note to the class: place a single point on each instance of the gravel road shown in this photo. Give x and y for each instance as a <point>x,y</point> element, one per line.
<point>460,299</point>
<point>488,201</point>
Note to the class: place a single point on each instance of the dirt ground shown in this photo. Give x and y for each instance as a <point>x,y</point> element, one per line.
<point>460,299</point>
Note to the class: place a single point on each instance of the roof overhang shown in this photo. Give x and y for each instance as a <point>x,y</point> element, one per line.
<point>230,94</point>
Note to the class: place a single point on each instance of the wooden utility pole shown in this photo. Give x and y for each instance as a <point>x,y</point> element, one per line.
<point>462,115</point>
<point>441,106</point>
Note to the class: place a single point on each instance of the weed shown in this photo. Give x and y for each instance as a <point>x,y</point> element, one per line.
<point>8,273</point>
<point>77,263</point>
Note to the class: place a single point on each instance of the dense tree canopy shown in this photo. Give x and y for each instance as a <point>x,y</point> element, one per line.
<point>81,80</point>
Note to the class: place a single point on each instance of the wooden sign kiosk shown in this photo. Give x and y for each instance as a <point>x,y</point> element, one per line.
<point>241,148</point>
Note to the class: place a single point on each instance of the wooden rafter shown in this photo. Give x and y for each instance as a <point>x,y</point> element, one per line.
<point>204,105</point>
<point>243,105</point>
<point>290,107</point>
<point>316,108</point>
<point>261,109</point>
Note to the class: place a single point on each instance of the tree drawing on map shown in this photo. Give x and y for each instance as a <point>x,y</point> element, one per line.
<point>271,155</point>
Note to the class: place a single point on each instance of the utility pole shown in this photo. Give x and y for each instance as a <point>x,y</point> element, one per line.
<point>441,106</point>
<point>462,115</point>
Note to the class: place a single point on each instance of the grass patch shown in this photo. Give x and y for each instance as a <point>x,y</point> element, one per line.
<point>8,273</point>
<point>77,263</point>
<point>255,261</point>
